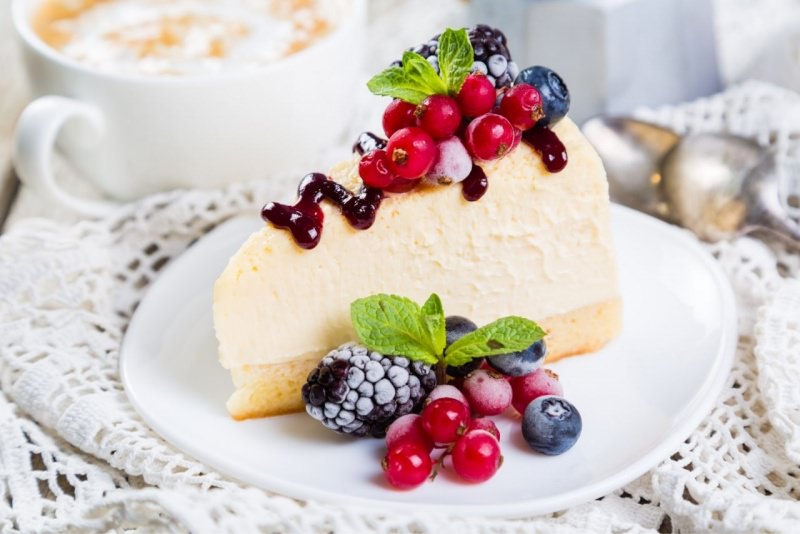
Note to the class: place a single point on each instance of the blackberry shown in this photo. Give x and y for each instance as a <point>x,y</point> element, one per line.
<point>357,392</point>
<point>367,142</point>
<point>492,56</point>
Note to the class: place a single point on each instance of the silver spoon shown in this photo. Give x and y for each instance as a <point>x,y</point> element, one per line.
<point>716,185</point>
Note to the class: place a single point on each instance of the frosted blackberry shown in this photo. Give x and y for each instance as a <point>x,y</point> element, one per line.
<point>492,56</point>
<point>357,392</point>
<point>367,142</point>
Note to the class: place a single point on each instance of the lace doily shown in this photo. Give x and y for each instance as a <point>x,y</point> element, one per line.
<point>74,454</point>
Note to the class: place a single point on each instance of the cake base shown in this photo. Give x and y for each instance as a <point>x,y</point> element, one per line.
<point>582,331</point>
<point>266,390</point>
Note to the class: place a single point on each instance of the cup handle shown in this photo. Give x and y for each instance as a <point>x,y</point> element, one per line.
<point>34,144</point>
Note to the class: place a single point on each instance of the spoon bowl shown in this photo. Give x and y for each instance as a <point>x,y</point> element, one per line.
<point>632,151</point>
<point>703,177</point>
<point>717,185</point>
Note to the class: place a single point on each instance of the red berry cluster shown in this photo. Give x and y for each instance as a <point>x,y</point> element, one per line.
<point>483,130</point>
<point>455,423</point>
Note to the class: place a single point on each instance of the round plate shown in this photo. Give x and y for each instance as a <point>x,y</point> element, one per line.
<point>640,397</point>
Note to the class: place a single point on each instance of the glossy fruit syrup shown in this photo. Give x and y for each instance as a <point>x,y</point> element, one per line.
<point>304,219</point>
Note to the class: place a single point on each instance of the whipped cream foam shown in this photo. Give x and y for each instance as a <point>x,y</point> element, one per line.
<point>183,37</point>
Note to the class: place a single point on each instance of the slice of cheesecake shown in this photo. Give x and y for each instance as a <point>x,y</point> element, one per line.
<point>536,245</point>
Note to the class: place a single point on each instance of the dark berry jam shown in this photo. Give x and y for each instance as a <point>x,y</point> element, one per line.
<point>475,184</point>
<point>305,217</point>
<point>549,146</point>
<point>367,142</point>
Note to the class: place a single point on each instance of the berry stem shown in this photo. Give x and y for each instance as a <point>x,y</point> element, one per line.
<point>441,372</point>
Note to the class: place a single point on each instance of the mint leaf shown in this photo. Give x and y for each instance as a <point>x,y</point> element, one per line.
<point>433,317</point>
<point>503,336</point>
<point>455,58</point>
<point>418,68</point>
<point>394,82</point>
<point>393,325</point>
<point>412,82</point>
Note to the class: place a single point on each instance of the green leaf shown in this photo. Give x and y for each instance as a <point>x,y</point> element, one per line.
<point>412,82</point>
<point>418,68</point>
<point>394,82</point>
<point>433,317</point>
<point>455,58</point>
<point>390,324</point>
<point>503,336</point>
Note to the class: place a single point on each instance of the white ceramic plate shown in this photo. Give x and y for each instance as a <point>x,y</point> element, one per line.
<point>640,397</point>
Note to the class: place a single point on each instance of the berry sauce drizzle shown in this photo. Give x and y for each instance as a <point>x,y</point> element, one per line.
<point>544,141</point>
<point>367,142</point>
<point>475,184</point>
<point>305,217</point>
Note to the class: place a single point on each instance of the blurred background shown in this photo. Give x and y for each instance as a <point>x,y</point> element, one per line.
<point>620,54</point>
<point>616,55</point>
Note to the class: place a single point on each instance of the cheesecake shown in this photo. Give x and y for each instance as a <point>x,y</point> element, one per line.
<point>537,244</point>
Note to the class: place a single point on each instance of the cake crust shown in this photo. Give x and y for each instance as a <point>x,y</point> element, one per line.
<point>267,390</point>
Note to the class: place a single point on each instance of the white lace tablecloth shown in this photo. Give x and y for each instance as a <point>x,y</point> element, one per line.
<point>75,455</point>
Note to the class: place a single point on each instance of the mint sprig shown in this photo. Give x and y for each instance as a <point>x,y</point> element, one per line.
<point>455,58</point>
<point>390,324</point>
<point>416,78</point>
<point>395,325</point>
<point>506,335</point>
<point>433,317</point>
<point>412,82</point>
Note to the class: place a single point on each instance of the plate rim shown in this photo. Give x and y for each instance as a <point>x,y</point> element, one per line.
<point>709,392</point>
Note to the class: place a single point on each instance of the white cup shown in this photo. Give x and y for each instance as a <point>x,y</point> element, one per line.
<point>133,135</point>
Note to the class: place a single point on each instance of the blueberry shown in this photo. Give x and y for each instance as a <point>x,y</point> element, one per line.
<point>520,363</point>
<point>464,370</point>
<point>457,327</point>
<point>551,425</point>
<point>555,95</point>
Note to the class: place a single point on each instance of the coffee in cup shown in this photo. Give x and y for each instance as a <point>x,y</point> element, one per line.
<point>183,37</point>
<point>142,96</point>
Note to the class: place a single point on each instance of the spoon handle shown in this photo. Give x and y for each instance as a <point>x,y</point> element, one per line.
<point>780,225</point>
<point>761,195</point>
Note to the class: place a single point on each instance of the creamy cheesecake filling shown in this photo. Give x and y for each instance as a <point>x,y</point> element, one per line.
<point>537,245</point>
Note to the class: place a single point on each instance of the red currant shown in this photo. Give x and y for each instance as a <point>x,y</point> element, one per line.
<point>373,169</point>
<point>530,387</point>
<point>439,116</point>
<point>407,465</point>
<point>522,106</point>
<point>489,137</point>
<point>445,391</point>
<point>444,419</point>
<point>401,185</point>
<point>484,423</point>
<point>477,96</point>
<point>517,139</point>
<point>399,114</point>
<point>476,456</point>
<point>411,153</point>
<point>488,392</point>
<point>408,428</point>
